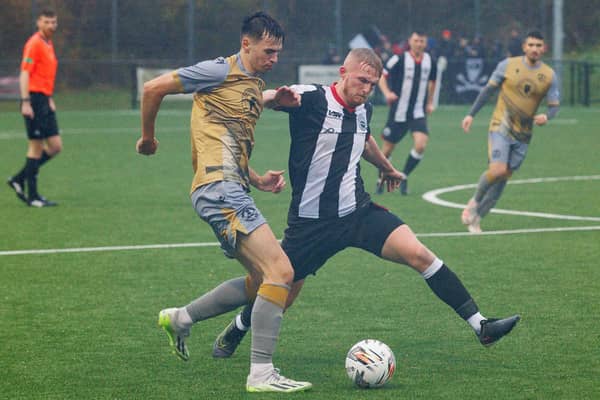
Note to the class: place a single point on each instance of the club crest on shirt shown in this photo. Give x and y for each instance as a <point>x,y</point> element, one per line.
<point>526,88</point>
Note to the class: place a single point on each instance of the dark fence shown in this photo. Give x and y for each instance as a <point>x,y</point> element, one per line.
<point>461,81</point>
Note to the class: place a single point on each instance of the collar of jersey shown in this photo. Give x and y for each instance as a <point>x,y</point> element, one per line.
<point>337,97</point>
<point>417,61</point>
<point>43,39</point>
<point>537,65</point>
<point>241,65</point>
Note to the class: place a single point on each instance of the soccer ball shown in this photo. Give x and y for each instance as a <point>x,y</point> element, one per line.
<point>370,363</point>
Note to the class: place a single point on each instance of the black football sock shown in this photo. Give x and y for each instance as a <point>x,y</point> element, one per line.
<point>246,314</point>
<point>446,285</point>
<point>412,161</point>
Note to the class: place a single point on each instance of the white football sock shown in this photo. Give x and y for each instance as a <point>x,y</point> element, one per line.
<point>475,321</point>
<point>239,324</point>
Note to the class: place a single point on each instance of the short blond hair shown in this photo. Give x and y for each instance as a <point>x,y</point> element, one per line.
<point>366,56</point>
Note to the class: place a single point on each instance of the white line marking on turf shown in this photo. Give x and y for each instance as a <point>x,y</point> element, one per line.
<point>432,197</point>
<point>213,244</point>
<point>107,248</point>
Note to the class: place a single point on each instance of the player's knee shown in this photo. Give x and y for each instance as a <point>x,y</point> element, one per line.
<point>421,258</point>
<point>54,150</point>
<point>280,271</point>
<point>499,172</point>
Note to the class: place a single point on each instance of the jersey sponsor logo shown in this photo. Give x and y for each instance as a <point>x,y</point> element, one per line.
<point>335,114</point>
<point>329,131</point>
<point>541,77</point>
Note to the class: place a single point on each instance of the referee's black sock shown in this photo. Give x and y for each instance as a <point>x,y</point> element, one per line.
<point>31,171</point>
<point>20,176</point>
<point>446,285</point>
<point>412,161</point>
<point>45,158</point>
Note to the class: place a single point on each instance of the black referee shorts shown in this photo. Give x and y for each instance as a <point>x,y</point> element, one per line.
<point>43,124</point>
<point>395,131</point>
<point>309,244</point>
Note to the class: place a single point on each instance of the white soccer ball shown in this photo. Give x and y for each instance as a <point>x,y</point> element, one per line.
<point>370,363</point>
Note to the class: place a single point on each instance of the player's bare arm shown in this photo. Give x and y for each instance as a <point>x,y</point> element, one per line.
<point>430,95</point>
<point>390,96</point>
<point>390,175</point>
<point>26,109</point>
<point>282,97</point>
<point>271,181</point>
<point>154,91</point>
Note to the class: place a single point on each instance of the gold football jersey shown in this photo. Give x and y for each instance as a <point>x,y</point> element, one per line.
<point>222,126</point>
<point>522,89</point>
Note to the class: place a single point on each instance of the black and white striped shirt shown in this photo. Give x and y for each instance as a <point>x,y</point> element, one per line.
<point>409,79</point>
<point>328,139</point>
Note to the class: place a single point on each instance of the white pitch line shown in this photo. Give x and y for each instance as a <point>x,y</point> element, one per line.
<point>432,197</point>
<point>213,244</point>
<point>107,248</point>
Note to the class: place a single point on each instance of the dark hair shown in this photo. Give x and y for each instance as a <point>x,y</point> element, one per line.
<point>535,35</point>
<point>260,25</point>
<point>418,32</point>
<point>47,12</point>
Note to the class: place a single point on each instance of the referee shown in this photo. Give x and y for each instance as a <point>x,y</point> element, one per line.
<point>408,84</point>
<point>36,81</point>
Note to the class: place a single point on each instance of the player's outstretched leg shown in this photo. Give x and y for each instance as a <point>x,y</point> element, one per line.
<point>167,320</point>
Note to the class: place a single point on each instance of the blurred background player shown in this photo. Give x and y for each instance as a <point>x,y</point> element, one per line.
<point>408,84</point>
<point>36,82</point>
<point>227,104</point>
<point>523,82</point>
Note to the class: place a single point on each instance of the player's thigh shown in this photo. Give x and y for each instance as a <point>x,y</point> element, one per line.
<point>402,246</point>
<point>310,244</point>
<point>261,253</point>
<point>373,225</point>
<point>241,229</point>
<point>518,152</point>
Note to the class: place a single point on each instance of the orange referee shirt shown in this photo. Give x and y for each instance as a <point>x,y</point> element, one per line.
<point>41,63</point>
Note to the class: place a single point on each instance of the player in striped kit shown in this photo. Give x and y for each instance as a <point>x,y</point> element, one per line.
<point>408,84</point>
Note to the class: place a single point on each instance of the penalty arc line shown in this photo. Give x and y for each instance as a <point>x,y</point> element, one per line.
<point>432,197</point>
